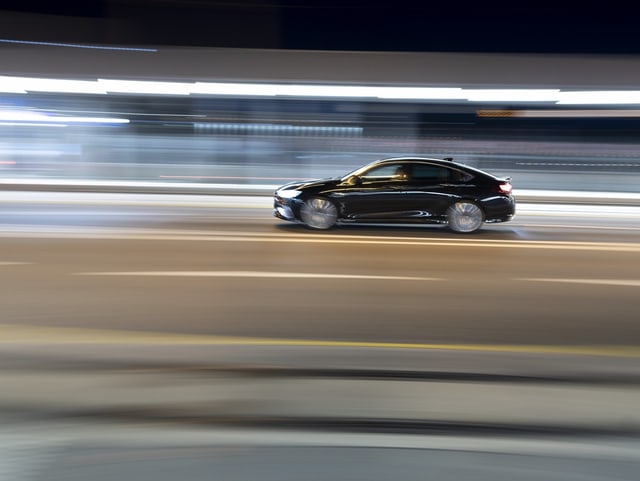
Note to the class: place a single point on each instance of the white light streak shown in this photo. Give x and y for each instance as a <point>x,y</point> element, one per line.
<point>602,282</point>
<point>91,120</point>
<point>21,116</point>
<point>421,93</point>
<point>257,274</point>
<point>29,84</point>
<point>145,87</point>
<point>61,86</point>
<point>216,88</point>
<point>512,95</point>
<point>29,116</point>
<point>11,85</point>
<point>31,124</point>
<point>22,85</point>
<point>600,97</point>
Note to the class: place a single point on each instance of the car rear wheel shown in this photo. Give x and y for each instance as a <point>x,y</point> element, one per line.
<point>465,216</point>
<point>319,213</point>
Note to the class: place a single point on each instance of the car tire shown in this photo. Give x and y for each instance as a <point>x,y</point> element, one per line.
<point>319,213</point>
<point>465,216</point>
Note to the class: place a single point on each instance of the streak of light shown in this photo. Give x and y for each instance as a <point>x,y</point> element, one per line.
<point>31,124</point>
<point>39,117</point>
<point>256,274</point>
<point>85,232</point>
<point>588,227</point>
<point>145,87</point>
<point>30,84</point>
<point>20,334</point>
<point>602,282</point>
<point>512,95</point>
<point>556,96</point>
<point>229,177</point>
<point>622,97</point>
<point>590,211</point>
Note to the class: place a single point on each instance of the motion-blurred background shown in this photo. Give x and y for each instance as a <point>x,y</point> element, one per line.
<point>157,321</point>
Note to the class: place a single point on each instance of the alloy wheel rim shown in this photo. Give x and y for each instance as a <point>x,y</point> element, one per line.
<point>468,216</point>
<point>319,213</point>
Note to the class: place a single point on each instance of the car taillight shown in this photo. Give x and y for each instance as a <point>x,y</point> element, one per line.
<point>505,187</point>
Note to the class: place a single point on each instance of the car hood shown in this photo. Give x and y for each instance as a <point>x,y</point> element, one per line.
<point>310,184</point>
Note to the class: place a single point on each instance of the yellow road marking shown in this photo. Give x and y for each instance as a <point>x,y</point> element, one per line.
<point>14,334</point>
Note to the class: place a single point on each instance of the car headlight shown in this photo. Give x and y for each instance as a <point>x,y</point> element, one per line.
<point>288,194</point>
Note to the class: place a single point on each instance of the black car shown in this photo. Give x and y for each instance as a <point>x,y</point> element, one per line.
<point>400,190</point>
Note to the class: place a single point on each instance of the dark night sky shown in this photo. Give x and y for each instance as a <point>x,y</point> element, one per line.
<point>479,26</point>
<point>522,26</point>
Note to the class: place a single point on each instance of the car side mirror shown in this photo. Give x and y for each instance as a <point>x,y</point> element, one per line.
<point>354,180</point>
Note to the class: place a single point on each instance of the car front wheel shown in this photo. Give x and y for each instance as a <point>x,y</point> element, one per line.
<point>319,213</point>
<point>465,216</point>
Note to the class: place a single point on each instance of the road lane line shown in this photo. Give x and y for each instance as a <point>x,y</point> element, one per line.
<point>569,226</point>
<point>38,335</point>
<point>86,232</point>
<point>604,282</point>
<point>257,274</point>
<point>10,263</point>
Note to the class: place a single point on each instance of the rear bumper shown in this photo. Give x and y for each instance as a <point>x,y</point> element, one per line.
<point>499,209</point>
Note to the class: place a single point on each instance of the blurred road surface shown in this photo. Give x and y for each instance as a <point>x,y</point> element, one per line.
<point>225,266</point>
<point>161,336</point>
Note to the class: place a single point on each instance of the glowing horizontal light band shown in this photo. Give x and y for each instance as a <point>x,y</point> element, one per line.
<point>23,85</point>
<point>30,124</point>
<point>51,85</point>
<point>90,120</point>
<point>39,117</point>
<point>210,88</point>
<point>145,87</point>
<point>421,93</point>
<point>512,95</point>
<point>599,97</point>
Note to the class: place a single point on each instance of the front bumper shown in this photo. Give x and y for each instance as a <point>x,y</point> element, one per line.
<point>283,212</point>
<point>283,209</point>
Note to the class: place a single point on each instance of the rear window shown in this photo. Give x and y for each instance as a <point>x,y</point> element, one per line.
<point>439,174</point>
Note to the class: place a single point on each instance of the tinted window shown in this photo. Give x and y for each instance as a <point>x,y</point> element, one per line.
<point>431,173</point>
<point>438,174</point>
<point>384,172</point>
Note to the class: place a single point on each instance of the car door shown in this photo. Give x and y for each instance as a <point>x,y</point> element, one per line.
<point>434,187</point>
<point>376,195</point>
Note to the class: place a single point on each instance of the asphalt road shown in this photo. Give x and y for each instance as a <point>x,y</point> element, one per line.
<point>158,337</point>
<point>216,265</point>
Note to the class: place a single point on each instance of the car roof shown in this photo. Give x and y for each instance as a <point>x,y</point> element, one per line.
<point>447,162</point>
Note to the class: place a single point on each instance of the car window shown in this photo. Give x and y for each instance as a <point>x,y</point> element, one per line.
<point>385,172</point>
<point>438,174</point>
<point>460,176</point>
